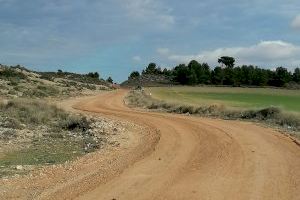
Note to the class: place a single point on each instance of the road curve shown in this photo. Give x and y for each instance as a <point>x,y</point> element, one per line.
<point>199,158</point>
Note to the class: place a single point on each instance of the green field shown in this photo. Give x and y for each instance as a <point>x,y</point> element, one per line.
<point>287,100</point>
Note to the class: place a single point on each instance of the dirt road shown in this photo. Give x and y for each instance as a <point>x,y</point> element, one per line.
<point>198,158</point>
<point>168,156</point>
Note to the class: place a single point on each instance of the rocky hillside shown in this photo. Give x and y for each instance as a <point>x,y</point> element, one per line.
<point>17,81</point>
<point>148,80</point>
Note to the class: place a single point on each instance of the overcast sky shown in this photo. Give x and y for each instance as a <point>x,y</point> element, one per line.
<point>115,37</point>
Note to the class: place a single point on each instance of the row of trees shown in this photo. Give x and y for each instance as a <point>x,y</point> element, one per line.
<point>226,74</point>
<point>93,75</point>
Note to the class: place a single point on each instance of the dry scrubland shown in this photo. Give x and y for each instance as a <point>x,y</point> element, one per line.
<point>21,82</point>
<point>272,106</point>
<point>36,133</point>
<point>33,131</point>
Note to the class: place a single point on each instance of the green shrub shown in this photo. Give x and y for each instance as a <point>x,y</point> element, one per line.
<point>13,82</point>
<point>8,134</point>
<point>8,73</point>
<point>48,90</point>
<point>90,87</point>
<point>11,123</point>
<point>47,76</point>
<point>12,92</point>
<point>42,91</point>
<point>71,123</point>
<point>32,112</point>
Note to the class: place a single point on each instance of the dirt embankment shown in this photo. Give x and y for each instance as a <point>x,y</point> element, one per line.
<point>195,158</point>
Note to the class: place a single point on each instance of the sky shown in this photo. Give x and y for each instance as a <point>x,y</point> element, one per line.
<point>115,37</point>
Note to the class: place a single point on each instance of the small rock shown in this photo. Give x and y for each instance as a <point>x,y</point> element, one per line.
<point>19,167</point>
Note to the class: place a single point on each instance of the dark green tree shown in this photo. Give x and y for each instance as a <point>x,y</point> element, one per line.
<point>237,76</point>
<point>282,76</point>
<point>109,80</point>
<point>60,73</point>
<point>248,75</point>
<point>181,73</point>
<point>204,75</point>
<point>227,61</point>
<point>260,77</point>
<point>134,75</point>
<point>167,72</point>
<point>192,77</point>
<point>152,69</point>
<point>296,75</point>
<point>217,76</point>
<point>194,71</point>
<point>228,76</point>
<point>202,71</point>
<point>93,75</point>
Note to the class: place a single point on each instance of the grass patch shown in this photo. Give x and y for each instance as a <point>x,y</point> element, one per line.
<point>42,91</point>
<point>42,152</point>
<point>240,98</point>
<point>32,113</point>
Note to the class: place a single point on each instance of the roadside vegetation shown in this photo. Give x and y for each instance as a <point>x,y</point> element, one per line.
<point>37,133</point>
<point>270,115</point>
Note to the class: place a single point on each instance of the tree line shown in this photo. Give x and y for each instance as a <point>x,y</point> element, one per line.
<point>226,74</point>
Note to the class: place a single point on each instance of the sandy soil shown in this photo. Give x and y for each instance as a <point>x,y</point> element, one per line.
<point>183,157</point>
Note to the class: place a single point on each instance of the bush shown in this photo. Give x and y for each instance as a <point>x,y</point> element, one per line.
<point>265,113</point>
<point>48,90</point>
<point>11,123</point>
<point>77,123</point>
<point>90,87</point>
<point>42,91</point>
<point>8,74</point>
<point>13,82</point>
<point>36,113</point>
<point>8,134</point>
<point>32,112</point>
<point>47,76</point>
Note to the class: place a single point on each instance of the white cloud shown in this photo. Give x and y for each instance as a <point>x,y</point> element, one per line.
<point>163,51</point>
<point>296,22</point>
<point>265,53</point>
<point>150,11</point>
<point>136,58</point>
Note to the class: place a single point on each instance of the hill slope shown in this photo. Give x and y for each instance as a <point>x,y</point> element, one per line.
<point>20,82</point>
